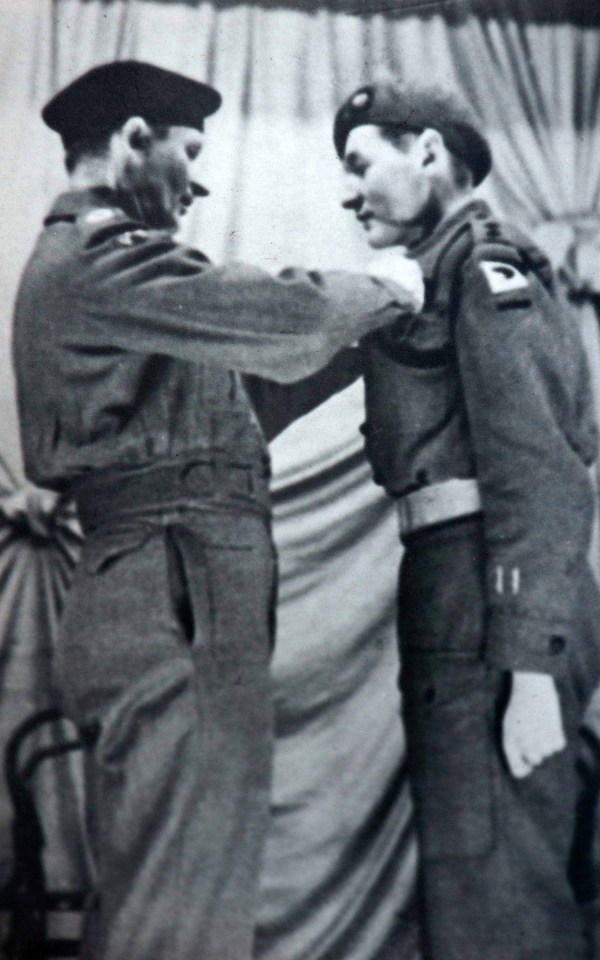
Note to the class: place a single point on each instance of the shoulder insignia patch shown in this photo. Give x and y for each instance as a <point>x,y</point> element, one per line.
<point>99,215</point>
<point>132,237</point>
<point>502,277</point>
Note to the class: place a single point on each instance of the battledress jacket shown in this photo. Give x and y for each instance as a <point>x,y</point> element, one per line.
<point>129,347</point>
<point>491,382</point>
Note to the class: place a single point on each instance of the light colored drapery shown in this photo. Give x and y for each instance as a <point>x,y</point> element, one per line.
<point>339,866</point>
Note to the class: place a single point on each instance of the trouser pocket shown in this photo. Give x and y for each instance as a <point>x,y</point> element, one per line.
<point>116,623</point>
<point>190,586</point>
<point>447,711</point>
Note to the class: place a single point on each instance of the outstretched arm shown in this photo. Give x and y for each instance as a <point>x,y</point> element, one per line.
<point>279,405</point>
<point>139,289</point>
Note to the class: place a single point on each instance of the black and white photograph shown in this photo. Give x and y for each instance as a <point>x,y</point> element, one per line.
<point>299,484</point>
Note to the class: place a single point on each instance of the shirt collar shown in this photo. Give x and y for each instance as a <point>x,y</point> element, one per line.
<point>70,205</point>
<point>451,225</point>
<point>446,234</point>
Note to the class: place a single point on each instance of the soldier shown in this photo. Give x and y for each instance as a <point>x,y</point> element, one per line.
<point>480,425</point>
<point>129,351</point>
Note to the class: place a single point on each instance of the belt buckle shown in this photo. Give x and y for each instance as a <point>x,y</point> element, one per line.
<point>240,480</point>
<point>251,481</point>
<point>220,473</point>
<point>200,477</point>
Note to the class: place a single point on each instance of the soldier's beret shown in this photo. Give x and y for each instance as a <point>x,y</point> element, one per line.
<point>415,108</point>
<point>106,96</point>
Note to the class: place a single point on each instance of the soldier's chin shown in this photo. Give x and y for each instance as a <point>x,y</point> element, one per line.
<point>382,235</point>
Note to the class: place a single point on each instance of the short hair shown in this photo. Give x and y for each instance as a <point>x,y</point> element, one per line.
<point>95,144</point>
<point>402,138</point>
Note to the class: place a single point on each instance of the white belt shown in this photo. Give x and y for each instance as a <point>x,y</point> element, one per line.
<point>436,503</point>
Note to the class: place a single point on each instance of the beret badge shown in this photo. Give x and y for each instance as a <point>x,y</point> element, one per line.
<point>361,100</point>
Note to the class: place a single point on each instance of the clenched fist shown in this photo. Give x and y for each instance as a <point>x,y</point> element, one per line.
<point>532,727</point>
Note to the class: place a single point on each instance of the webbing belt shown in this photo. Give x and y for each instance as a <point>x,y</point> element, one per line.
<point>436,503</point>
<point>109,495</point>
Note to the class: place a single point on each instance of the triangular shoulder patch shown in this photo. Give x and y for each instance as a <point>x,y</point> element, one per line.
<point>502,277</point>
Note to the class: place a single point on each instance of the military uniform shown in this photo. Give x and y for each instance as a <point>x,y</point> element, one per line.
<point>480,424</point>
<point>129,351</point>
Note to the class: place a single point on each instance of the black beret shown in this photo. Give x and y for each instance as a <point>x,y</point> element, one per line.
<point>414,108</point>
<point>106,96</point>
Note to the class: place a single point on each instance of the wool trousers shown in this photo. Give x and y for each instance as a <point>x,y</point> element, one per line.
<point>498,855</point>
<point>163,663</point>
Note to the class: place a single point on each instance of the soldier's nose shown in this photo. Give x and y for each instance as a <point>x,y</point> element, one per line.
<point>352,202</point>
<point>198,189</point>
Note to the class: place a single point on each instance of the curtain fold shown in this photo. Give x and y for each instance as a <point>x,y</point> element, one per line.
<point>338,874</point>
<point>544,11</point>
<point>35,571</point>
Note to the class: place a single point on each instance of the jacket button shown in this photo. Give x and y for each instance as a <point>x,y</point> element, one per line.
<point>556,645</point>
<point>429,695</point>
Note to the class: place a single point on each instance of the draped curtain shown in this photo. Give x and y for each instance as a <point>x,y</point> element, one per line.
<point>338,874</point>
<point>453,11</point>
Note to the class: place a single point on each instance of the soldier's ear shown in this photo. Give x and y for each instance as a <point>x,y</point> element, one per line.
<point>137,134</point>
<point>129,146</point>
<point>430,144</point>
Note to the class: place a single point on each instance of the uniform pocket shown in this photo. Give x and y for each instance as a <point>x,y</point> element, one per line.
<point>102,550</point>
<point>450,740</point>
<point>115,624</point>
<point>190,585</point>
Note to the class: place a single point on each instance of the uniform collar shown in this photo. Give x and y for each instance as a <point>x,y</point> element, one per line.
<point>69,206</point>
<point>427,252</point>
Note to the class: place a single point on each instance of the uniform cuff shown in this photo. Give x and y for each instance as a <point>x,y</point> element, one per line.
<point>528,644</point>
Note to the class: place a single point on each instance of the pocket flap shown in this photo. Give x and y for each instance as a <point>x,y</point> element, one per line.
<point>438,678</point>
<point>451,748</point>
<point>102,549</point>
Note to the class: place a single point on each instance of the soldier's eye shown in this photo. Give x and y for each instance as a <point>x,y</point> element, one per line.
<point>193,150</point>
<point>355,165</point>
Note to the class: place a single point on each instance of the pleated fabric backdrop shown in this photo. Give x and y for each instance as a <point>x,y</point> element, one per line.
<point>339,867</point>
